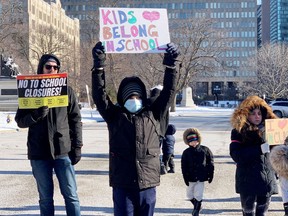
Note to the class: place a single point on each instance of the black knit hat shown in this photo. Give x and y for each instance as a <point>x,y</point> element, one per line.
<point>132,88</point>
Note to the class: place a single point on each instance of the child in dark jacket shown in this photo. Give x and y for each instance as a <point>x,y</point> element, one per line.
<point>168,149</point>
<point>197,166</point>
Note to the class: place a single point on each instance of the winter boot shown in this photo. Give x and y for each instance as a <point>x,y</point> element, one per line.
<point>171,170</point>
<point>197,208</point>
<point>193,201</point>
<point>286,209</point>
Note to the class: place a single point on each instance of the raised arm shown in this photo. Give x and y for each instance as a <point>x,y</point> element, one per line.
<point>99,94</point>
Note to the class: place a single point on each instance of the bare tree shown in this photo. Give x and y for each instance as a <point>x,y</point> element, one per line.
<point>10,17</point>
<point>201,46</point>
<point>271,66</point>
<point>148,67</point>
<point>45,40</point>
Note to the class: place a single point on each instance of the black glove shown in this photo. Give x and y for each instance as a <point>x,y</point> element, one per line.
<point>99,56</point>
<point>75,155</point>
<point>40,113</point>
<point>171,55</point>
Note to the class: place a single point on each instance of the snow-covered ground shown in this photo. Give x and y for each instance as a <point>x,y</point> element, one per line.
<point>7,121</point>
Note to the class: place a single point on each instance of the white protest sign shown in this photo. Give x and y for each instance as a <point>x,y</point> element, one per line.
<point>134,30</point>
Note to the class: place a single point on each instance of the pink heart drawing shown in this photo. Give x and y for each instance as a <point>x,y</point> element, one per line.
<point>154,15</point>
<point>282,123</point>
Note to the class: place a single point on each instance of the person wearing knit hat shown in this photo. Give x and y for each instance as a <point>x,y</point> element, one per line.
<point>197,165</point>
<point>255,180</point>
<point>54,144</point>
<point>134,124</point>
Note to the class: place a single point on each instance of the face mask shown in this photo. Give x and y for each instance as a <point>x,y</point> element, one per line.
<point>133,105</point>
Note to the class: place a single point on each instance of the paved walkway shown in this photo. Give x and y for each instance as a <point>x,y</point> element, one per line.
<point>19,196</point>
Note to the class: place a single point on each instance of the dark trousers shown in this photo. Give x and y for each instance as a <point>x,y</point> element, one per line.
<point>253,205</point>
<point>133,202</point>
<point>168,161</point>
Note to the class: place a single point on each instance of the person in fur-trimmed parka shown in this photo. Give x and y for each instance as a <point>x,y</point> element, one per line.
<point>279,162</point>
<point>255,178</point>
<point>197,166</point>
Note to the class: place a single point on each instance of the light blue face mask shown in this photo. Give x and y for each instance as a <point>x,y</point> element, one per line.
<point>133,105</point>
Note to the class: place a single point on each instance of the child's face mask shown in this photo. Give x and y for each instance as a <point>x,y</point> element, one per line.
<point>133,105</point>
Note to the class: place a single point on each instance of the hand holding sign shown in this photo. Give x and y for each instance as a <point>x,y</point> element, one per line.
<point>171,55</point>
<point>40,113</point>
<point>99,56</point>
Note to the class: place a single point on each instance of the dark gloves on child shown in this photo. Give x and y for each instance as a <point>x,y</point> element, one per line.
<point>171,55</point>
<point>75,155</point>
<point>99,56</point>
<point>40,113</point>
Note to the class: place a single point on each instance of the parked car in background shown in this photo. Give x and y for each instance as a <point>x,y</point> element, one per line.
<point>280,108</point>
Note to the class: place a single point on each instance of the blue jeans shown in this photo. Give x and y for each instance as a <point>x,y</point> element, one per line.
<point>43,173</point>
<point>134,202</point>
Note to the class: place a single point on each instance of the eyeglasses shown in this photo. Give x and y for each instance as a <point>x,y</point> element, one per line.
<point>55,67</point>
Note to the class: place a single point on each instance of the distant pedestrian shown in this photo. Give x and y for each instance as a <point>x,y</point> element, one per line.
<point>255,178</point>
<point>168,149</point>
<point>197,166</point>
<point>279,161</point>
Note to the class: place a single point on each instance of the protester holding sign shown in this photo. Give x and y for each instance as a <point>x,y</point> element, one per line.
<point>54,144</point>
<point>134,132</point>
<point>255,178</point>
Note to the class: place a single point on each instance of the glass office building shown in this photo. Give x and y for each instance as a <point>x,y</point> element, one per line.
<point>278,21</point>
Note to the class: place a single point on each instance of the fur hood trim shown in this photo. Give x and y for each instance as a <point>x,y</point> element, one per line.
<point>192,130</point>
<point>279,160</point>
<point>240,116</point>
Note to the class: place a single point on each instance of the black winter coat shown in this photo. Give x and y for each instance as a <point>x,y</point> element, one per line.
<point>56,134</point>
<point>254,174</point>
<point>133,138</point>
<point>197,164</point>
